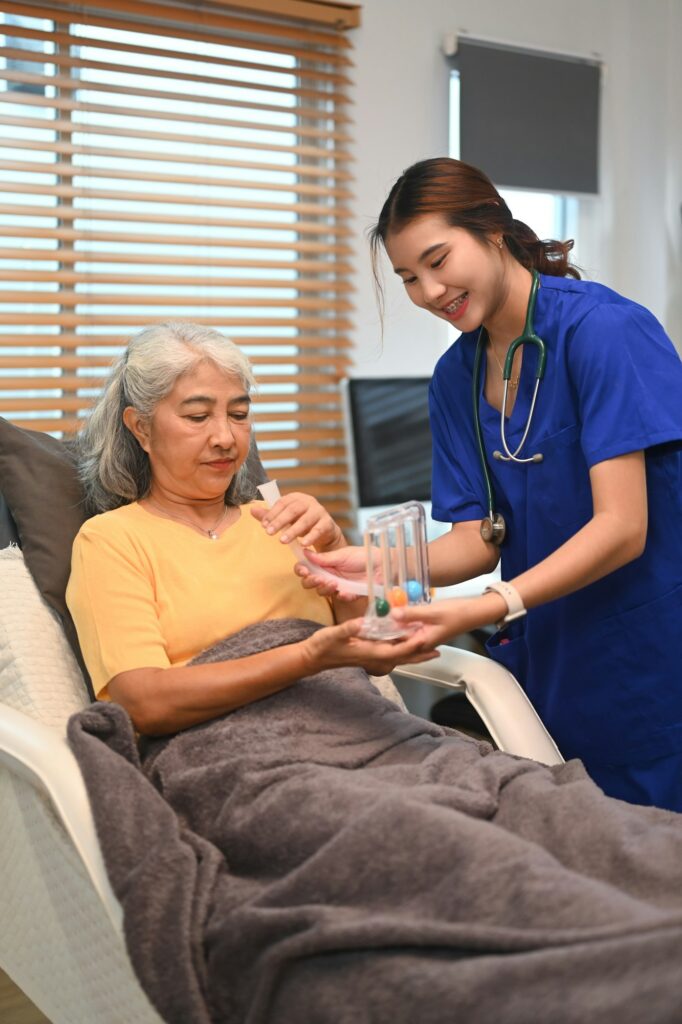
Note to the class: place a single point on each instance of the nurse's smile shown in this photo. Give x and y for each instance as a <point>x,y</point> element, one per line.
<point>455,310</point>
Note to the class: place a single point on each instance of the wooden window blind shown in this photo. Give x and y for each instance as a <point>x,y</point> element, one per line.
<point>164,161</point>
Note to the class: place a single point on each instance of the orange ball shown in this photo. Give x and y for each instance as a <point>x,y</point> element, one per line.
<point>397,597</point>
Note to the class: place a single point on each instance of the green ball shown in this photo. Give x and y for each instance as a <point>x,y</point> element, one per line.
<point>381,606</point>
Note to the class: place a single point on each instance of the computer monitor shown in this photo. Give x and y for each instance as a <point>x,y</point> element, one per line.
<point>390,439</point>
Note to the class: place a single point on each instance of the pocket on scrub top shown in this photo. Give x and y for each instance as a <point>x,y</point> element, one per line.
<point>633,660</point>
<point>559,486</point>
<point>510,650</point>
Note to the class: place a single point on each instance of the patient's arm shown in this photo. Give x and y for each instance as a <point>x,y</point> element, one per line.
<point>615,535</point>
<point>165,700</point>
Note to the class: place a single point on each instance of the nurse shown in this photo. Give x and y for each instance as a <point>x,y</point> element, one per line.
<point>590,618</point>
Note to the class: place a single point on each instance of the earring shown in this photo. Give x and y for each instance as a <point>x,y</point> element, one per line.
<point>499,243</point>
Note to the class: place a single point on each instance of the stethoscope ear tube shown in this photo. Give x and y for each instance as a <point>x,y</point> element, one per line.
<point>512,456</point>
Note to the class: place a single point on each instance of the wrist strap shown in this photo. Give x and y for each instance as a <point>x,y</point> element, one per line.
<point>515,605</point>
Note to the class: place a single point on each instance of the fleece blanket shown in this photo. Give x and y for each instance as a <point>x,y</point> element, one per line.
<point>321,857</point>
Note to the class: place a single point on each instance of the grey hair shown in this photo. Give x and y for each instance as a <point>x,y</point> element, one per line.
<point>114,468</point>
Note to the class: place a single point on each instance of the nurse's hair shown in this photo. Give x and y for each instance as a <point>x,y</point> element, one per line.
<point>114,468</point>
<point>466,198</point>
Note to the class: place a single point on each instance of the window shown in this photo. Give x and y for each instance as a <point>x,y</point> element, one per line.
<point>549,214</point>
<point>177,163</point>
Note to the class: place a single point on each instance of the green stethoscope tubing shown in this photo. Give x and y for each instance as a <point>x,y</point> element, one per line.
<point>493,527</point>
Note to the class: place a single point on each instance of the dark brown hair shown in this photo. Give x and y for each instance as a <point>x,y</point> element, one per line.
<point>465,198</point>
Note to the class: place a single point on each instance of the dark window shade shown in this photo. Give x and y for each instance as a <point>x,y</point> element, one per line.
<point>529,120</point>
<point>389,420</point>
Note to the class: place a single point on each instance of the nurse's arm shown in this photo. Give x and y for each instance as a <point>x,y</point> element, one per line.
<point>614,536</point>
<point>461,554</point>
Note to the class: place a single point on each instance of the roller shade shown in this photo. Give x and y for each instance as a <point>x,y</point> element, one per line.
<point>529,120</point>
<point>180,161</point>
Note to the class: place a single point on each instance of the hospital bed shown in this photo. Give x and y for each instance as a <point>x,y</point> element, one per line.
<point>61,932</point>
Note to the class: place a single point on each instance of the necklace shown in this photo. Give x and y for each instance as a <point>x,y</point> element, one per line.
<point>211,534</point>
<point>513,381</point>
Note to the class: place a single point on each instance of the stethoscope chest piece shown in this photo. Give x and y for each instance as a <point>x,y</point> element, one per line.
<point>493,529</point>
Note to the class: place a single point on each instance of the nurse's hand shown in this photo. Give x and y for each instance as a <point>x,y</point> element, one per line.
<point>441,620</point>
<point>348,563</point>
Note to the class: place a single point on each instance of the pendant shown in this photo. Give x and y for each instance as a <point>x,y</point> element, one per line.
<point>212,535</point>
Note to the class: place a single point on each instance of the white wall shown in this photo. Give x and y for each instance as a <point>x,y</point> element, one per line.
<point>633,231</point>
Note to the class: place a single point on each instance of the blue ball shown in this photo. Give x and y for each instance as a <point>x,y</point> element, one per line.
<point>414,590</point>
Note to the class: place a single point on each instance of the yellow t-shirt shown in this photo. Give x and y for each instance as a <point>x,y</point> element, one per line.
<point>148,592</point>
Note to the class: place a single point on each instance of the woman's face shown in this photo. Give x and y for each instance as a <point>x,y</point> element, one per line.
<point>199,434</point>
<point>449,272</point>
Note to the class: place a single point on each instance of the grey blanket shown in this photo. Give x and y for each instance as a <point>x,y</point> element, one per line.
<point>320,857</point>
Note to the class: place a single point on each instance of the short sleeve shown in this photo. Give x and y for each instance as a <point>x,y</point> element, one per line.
<point>628,379</point>
<point>111,600</point>
<point>455,491</point>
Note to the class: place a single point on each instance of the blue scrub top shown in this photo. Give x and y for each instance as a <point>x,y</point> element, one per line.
<point>603,666</point>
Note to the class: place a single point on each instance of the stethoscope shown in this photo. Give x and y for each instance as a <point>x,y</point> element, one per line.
<point>493,526</point>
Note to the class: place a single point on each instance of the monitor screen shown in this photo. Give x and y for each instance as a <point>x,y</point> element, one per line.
<point>389,419</point>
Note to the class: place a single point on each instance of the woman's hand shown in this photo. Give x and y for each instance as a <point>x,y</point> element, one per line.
<point>341,646</point>
<point>302,518</point>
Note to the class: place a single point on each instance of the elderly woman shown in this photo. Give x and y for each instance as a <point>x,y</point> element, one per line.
<point>177,558</point>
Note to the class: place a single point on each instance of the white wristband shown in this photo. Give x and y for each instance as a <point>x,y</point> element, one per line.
<point>515,605</point>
